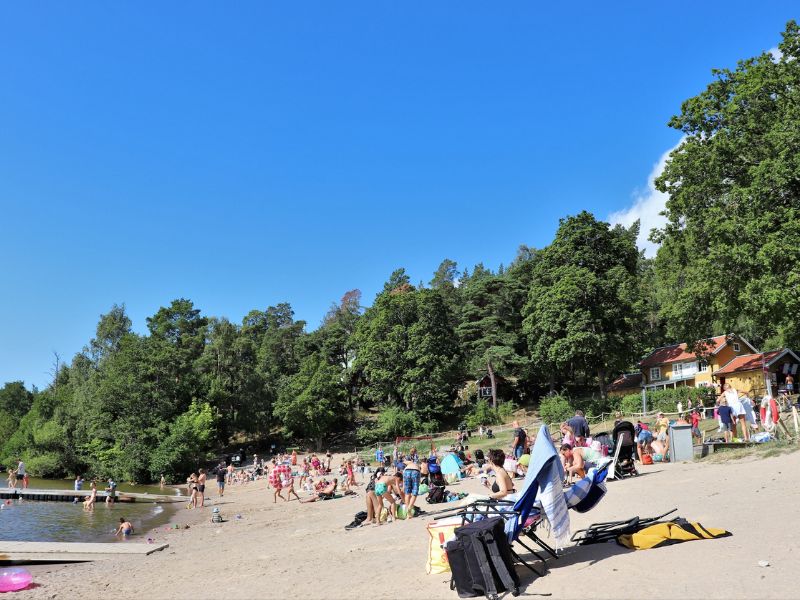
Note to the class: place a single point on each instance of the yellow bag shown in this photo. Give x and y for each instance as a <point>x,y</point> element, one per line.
<point>666,534</point>
<point>440,532</point>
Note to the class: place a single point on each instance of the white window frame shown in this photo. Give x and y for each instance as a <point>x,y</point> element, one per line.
<point>703,367</point>
<point>736,347</point>
<point>653,371</point>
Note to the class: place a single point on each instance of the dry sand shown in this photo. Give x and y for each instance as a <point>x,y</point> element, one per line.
<point>289,550</point>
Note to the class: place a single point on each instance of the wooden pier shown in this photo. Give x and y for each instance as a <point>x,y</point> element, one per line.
<point>72,552</point>
<point>70,495</point>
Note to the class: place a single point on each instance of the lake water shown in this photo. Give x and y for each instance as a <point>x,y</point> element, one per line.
<point>53,521</point>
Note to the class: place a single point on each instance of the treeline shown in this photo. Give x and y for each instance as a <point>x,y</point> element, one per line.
<point>573,314</point>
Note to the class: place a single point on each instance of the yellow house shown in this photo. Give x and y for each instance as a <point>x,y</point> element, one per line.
<point>749,373</point>
<point>678,365</point>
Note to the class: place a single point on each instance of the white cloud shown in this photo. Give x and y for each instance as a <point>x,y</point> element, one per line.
<point>646,206</point>
<point>776,53</point>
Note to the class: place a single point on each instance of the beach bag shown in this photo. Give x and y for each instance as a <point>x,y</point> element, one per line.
<point>439,534</point>
<point>487,566</point>
<point>647,459</point>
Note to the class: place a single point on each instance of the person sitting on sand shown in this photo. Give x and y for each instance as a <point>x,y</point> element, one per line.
<point>326,492</point>
<point>125,528</point>
<point>502,485</point>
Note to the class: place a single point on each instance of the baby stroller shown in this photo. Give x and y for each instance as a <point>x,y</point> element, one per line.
<point>624,437</point>
<point>437,487</point>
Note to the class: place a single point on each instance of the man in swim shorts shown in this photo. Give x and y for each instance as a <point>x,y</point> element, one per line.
<point>411,477</point>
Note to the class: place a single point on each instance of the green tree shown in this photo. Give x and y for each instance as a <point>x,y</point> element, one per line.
<point>582,303</point>
<point>312,402</point>
<point>730,251</point>
<point>187,444</point>
<point>490,328</point>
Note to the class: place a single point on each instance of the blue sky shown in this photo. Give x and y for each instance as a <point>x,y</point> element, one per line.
<point>246,154</point>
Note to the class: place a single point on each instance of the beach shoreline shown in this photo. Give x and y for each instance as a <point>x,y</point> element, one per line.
<point>303,550</point>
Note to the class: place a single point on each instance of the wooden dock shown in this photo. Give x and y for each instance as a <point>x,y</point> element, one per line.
<point>70,495</point>
<point>72,552</point>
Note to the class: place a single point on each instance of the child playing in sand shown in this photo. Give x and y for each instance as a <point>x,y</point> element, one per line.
<point>125,528</point>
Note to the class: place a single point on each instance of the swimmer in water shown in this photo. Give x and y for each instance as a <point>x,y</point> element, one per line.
<point>125,528</point>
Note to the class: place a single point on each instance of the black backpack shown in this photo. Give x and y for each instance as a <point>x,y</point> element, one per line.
<point>480,560</point>
<point>436,495</point>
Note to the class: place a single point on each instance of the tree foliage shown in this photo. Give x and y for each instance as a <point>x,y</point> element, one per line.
<point>577,312</point>
<point>730,251</point>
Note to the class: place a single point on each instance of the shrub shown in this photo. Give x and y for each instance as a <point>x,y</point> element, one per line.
<point>393,421</point>
<point>667,400</point>
<point>481,414</point>
<point>506,410</point>
<point>555,409</point>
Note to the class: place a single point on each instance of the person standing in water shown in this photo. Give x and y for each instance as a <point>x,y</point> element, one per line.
<point>111,491</point>
<point>88,503</point>
<point>163,482</point>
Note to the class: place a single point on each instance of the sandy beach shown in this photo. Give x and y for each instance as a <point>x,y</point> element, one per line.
<point>303,551</point>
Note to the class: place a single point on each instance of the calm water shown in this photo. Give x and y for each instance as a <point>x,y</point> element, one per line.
<point>66,522</point>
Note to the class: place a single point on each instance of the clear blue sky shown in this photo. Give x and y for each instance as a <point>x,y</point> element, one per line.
<point>243,154</point>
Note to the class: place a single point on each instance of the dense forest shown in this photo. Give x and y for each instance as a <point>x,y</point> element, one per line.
<point>569,316</point>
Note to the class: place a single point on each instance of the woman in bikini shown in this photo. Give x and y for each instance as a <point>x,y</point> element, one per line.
<point>503,485</point>
<point>88,503</point>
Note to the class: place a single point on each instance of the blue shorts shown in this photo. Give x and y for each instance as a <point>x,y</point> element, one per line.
<point>644,437</point>
<point>411,482</point>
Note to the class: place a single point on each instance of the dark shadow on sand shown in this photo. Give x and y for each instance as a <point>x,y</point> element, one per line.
<point>589,554</point>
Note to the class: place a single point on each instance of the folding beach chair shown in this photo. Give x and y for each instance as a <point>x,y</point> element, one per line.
<point>598,533</point>
<point>541,497</point>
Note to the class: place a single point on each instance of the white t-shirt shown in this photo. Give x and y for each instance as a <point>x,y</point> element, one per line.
<point>732,397</point>
<point>21,468</point>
